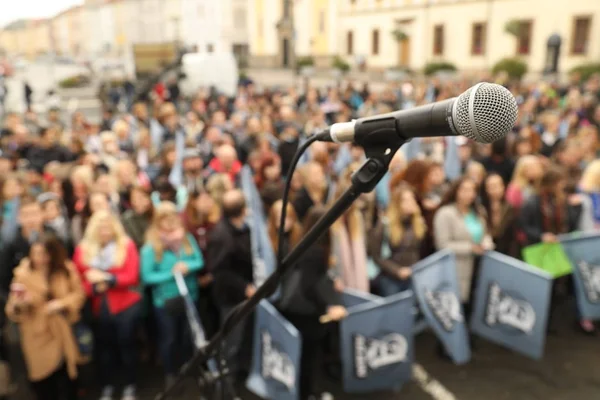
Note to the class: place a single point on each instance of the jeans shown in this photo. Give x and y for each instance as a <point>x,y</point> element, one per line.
<point>115,336</point>
<point>389,286</point>
<point>173,337</point>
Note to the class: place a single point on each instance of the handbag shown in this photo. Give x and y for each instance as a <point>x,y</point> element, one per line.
<point>85,339</point>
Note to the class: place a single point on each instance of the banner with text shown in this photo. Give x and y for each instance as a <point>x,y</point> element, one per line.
<point>377,344</point>
<point>436,287</point>
<point>584,254</point>
<point>263,256</point>
<point>512,304</point>
<point>275,367</point>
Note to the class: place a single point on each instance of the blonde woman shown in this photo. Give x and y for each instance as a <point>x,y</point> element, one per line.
<point>217,186</point>
<point>348,236</point>
<point>395,243</point>
<point>108,262</point>
<point>590,185</point>
<point>524,183</point>
<point>170,249</point>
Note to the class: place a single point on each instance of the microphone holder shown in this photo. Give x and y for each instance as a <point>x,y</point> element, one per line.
<point>363,180</point>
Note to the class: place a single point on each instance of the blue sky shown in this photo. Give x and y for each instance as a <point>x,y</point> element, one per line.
<point>32,9</point>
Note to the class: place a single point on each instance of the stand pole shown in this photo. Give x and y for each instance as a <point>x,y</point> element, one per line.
<point>364,180</point>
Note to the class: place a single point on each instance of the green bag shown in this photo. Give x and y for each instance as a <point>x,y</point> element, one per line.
<point>550,257</point>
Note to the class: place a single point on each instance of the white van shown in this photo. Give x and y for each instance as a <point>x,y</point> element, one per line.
<point>203,70</point>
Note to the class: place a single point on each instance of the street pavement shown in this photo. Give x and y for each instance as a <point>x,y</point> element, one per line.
<point>43,77</point>
<point>567,371</point>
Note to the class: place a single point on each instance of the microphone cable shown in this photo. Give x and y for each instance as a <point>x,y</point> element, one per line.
<point>288,184</point>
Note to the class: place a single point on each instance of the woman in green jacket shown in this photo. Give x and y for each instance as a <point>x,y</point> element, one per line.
<point>169,250</point>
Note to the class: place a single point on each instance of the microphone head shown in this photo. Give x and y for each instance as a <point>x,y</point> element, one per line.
<point>485,113</point>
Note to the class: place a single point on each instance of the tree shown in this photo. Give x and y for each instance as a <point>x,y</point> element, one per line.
<point>399,35</point>
<point>513,27</point>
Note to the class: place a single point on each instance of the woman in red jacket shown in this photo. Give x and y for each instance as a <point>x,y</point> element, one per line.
<point>108,262</point>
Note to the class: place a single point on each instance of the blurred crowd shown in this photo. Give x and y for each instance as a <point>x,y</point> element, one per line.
<point>96,220</point>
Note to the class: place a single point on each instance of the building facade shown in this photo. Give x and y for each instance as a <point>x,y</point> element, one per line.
<point>471,34</point>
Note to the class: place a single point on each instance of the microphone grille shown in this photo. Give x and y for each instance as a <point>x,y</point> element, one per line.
<point>485,113</point>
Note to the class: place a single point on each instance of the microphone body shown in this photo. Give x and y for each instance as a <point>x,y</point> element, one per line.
<point>484,113</point>
<point>428,120</point>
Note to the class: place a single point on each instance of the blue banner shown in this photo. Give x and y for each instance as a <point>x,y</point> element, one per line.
<point>263,256</point>
<point>512,304</point>
<point>276,356</point>
<point>352,298</point>
<point>377,344</point>
<point>436,286</point>
<point>582,250</point>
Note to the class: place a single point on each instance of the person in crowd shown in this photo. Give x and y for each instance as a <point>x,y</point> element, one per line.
<point>225,162</point>
<point>30,228</point>
<point>314,190</point>
<point>568,155</point>
<point>289,143</point>
<point>552,212</point>
<point>123,177</point>
<point>45,299</point>
<point>382,190</point>
<point>292,227</point>
<point>460,225</point>
<point>525,181</point>
<point>200,217</point>
<point>54,216</point>
<point>348,237</point>
<point>499,161</point>
<point>137,219</point>
<point>11,191</point>
<point>98,201</point>
<point>590,186</point>
<point>476,172</point>
<point>77,189</point>
<point>395,242</point>
<point>217,185</point>
<point>307,293</point>
<point>122,132</point>
<point>109,265</point>
<point>501,217</point>
<point>230,254</point>
<point>269,181</point>
<point>48,149</point>
<point>193,178</point>
<point>170,250</point>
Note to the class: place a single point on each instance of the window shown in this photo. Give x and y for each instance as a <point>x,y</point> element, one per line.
<point>286,8</point>
<point>375,44</point>
<point>438,40</point>
<point>349,43</point>
<point>322,21</point>
<point>478,39</point>
<point>524,39</point>
<point>581,34</point>
<point>210,48</point>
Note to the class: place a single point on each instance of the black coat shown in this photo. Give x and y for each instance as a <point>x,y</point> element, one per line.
<point>531,220</point>
<point>307,289</point>
<point>11,255</point>
<point>230,254</point>
<point>40,156</point>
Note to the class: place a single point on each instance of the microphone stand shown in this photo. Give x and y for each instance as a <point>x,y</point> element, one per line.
<point>363,180</point>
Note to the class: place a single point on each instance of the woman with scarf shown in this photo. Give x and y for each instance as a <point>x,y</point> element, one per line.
<point>200,216</point>
<point>501,216</point>
<point>170,250</point>
<point>551,213</point>
<point>395,243</point>
<point>292,228</point>
<point>108,262</point>
<point>348,235</point>
<point>45,299</point>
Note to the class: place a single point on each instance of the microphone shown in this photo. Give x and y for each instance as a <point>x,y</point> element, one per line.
<point>485,113</point>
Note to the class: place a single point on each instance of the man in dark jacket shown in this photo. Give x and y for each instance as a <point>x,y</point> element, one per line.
<point>31,226</point>
<point>230,252</point>
<point>48,150</point>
